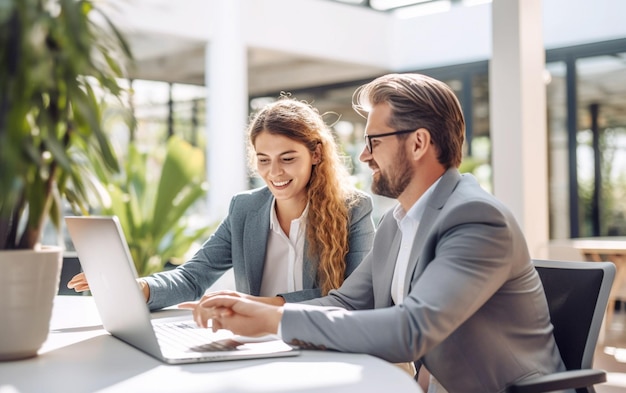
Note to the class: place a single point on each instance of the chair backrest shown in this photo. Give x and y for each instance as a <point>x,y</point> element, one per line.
<point>577,294</point>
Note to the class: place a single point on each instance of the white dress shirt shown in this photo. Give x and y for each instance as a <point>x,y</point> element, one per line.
<point>408,222</point>
<point>282,271</point>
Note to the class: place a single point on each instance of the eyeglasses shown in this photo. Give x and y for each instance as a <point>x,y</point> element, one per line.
<point>368,138</point>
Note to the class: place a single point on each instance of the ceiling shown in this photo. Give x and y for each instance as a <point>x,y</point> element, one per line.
<point>394,5</point>
<point>158,57</point>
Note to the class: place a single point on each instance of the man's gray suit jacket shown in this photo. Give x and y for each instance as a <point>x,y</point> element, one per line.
<point>474,311</point>
<point>240,242</point>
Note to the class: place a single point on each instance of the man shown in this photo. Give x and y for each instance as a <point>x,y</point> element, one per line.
<point>449,282</point>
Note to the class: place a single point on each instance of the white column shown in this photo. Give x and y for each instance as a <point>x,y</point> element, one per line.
<point>226,77</point>
<point>518,116</point>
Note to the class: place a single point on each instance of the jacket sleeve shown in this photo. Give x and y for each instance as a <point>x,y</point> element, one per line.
<point>189,281</point>
<point>361,233</point>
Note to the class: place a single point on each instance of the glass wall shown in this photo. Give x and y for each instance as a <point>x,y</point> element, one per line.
<point>163,109</point>
<point>601,144</point>
<point>558,158</point>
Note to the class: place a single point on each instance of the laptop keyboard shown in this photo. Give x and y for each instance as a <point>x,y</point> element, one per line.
<point>187,336</point>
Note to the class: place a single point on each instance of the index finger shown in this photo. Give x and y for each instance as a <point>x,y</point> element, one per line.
<point>188,305</point>
<point>224,292</point>
<point>221,301</point>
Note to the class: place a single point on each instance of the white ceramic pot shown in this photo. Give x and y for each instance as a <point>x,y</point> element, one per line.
<point>29,281</point>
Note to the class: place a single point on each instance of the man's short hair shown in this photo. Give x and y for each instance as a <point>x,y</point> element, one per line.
<point>418,101</point>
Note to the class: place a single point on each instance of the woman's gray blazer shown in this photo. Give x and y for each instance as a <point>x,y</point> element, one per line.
<point>239,243</point>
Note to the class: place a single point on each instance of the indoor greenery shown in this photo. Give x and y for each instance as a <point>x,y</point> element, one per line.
<point>152,197</point>
<point>57,57</point>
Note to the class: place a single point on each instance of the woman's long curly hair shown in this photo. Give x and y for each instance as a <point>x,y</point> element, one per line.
<point>329,193</point>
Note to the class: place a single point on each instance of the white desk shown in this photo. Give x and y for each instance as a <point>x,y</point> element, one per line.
<point>79,356</point>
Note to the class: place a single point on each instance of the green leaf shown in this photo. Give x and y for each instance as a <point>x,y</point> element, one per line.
<point>184,165</point>
<point>152,209</point>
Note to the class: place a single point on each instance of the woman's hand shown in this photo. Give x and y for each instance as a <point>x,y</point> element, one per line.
<point>78,283</point>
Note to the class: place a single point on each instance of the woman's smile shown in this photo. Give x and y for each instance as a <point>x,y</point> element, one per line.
<point>280,184</point>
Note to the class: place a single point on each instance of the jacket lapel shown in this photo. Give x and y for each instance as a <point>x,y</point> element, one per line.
<point>390,267</point>
<point>437,200</point>
<point>309,268</point>
<point>382,275</point>
<point>256,232</point>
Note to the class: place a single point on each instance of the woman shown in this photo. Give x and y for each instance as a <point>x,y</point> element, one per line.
<point>294,239</point>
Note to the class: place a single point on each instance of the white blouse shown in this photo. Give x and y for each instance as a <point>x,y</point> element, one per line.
<point>282,271</point>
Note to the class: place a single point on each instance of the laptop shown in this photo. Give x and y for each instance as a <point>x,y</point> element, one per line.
<point>106,261</point>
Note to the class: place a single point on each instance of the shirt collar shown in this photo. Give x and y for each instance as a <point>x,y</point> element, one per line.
<point>275,225</point>
<point>417,210</point>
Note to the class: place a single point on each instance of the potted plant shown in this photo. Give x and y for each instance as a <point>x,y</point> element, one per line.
<point>56,57</point>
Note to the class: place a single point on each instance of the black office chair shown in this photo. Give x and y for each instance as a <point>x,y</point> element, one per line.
<point>577,294</point>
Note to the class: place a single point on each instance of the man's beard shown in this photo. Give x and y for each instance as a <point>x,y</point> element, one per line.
<point>400,176</point>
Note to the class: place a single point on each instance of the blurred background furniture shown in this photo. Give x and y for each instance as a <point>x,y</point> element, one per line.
<point>596,249</point>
